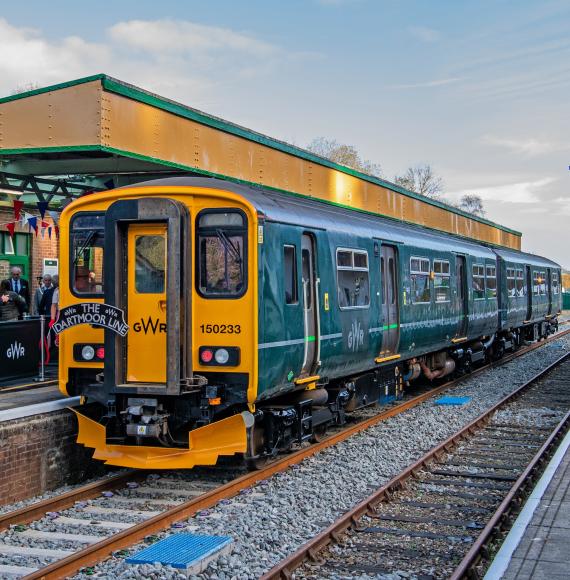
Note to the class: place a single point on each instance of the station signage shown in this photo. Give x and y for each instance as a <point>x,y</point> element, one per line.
<point>95,313</point>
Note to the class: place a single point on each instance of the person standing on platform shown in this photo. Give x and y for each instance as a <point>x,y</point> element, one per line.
<point>20,287</point>
<point>54,308</point>
<point>45,284</point>
<point>11,304</point>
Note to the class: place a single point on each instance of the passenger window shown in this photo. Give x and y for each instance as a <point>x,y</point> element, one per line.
<point>542,284</point>
<point>536,283</point>
<point>419,276</point>
<point>555,284</point>
<point>441,281</point>
<point>478,281</point>
<point>491,281</point>
<point>511,283</point>
<point>307,286</point>
<point>150,266</point>
<point>290,273</point>
<point>520,285</point>
<point>352,279</point>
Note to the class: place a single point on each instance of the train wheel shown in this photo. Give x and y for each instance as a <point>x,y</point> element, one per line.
<point>319,434</point>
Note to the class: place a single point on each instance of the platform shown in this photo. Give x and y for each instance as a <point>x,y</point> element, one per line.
<point>537,545</point>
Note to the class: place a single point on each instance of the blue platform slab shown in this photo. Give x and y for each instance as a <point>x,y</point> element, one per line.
<point>452,400</point>
<point>181,551</point>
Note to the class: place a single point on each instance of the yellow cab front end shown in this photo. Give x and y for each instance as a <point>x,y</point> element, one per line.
<point>180,262</point>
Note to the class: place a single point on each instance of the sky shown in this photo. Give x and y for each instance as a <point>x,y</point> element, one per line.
<point>479,89</point>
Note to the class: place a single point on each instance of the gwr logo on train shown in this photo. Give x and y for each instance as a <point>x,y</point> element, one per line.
<point>150,324</point>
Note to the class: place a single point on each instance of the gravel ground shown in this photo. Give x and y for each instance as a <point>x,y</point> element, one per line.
<point>279,514</point>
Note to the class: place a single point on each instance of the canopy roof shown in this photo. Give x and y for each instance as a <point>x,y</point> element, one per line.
<point>99,132</point>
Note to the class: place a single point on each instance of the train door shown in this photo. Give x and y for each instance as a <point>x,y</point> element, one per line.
<point>549,289</point>
<point>390,294</point>
<point>146,303</point>
<point>528,293</point>
<point>310,306</point>
<point>462,296</point>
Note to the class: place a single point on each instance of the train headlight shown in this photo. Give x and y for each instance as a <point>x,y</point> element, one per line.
<point>222,356</point>
<point>87,352</point>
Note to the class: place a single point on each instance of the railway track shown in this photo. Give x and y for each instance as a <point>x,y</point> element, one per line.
<point>441,516</point>
<point>88,524</point>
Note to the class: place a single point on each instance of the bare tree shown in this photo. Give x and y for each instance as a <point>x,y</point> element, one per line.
<point>343,155</point>
<point>421,179</point>
<point>24,88</point>
<point>472,203</point>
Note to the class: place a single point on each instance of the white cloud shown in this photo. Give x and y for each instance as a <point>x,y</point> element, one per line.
<point>427,84</point>
<point>528,147</point>
<point>182,60</point>
<point>424,33</point>
<point>181,37</point>
<point>521,193</point>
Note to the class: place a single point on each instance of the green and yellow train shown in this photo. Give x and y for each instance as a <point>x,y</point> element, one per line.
<point>257,319</point>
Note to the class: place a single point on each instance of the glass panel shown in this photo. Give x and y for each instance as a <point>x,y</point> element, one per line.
<point>415,265</point>
<point>87,242</point>
<point>425,266</point>
<point>307,284</point>
<point>460,281</point>
<point>353,289</point>
<point>442,289</point>
<point>344,259</point>
<point>8,245</point>
<point>491,282</point>
<point>420,288</point>
<point>221,263</point>
<point>392,271</point>
<point>214,220</point>
<point>290,273</point>
<point>360,260</point>
<point>437,266</point>
<point>383,280</point>
<point>21,244</point>
<point>150,266</point>
<point>543,283</point>
<point>535,283</point>
<point>478,282</point>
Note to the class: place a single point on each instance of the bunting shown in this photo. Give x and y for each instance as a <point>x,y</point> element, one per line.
<point>18,205</point>
<point>42,207</point>
<point>10,228</point>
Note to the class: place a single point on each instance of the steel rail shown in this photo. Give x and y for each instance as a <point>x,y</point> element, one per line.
<point>332,534</point>
<point>501,517</point>
<point>97,552</point>
<point>38,509</point>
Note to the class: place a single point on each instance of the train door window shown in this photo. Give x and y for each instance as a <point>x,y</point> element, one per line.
<point>542,283</point>
<point>222,253</point>
<point>419,276</point>
<point>441,281</point>
<point>87,240</point>
<point>392,280</point>
<point>383,278</point>
<point>536,282</point>
<point>555,283</point>
<point>150,265</point>
<point>511,283</point>
<point>491,281</point>
<point>460,280</point>
<point>306,264</point>
<point>290,273</point>
<point>478,281</point>
<point>353,283</point>
<point>520,285</point>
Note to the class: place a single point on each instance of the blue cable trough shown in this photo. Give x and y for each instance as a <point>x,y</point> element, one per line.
<point>188,552</point>
<point>452,400</point>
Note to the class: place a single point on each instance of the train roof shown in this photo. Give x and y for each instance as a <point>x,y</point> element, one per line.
<point>314,213</point>
<point>518,256</point>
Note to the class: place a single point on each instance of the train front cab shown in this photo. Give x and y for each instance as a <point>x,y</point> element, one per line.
<point>169,394</point>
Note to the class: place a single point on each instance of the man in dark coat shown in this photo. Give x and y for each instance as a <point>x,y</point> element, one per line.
<point>20,286</point>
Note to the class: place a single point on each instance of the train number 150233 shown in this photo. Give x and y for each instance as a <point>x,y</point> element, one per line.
<point>220,328</point>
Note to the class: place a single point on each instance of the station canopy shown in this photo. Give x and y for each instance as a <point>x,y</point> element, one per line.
<point>97,133</point>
